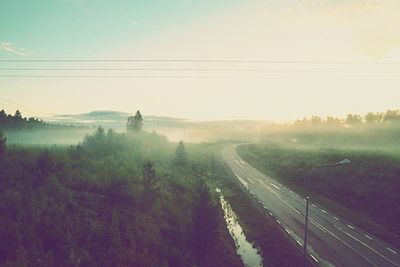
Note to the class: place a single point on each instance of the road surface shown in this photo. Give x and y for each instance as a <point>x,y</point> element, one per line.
<point>331,240</point>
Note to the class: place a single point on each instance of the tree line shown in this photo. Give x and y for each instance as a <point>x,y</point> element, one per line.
<point>17,121</point>
<point>371,118</point>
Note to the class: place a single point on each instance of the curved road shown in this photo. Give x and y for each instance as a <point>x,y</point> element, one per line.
<point>331,241</point>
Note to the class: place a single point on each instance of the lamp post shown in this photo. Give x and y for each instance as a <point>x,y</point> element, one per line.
<point>340,163</point>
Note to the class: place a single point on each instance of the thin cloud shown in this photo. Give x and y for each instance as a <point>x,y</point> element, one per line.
<point>79,2</point>
<point>11,48</point>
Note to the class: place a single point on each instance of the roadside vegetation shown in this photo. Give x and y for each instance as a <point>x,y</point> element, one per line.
<point>112,200</point>
<point>365,193</point>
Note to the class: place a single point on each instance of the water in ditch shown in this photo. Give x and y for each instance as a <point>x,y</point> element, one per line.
<point>249,253</point>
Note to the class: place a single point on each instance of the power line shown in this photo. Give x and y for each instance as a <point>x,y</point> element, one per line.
<point>197,60</point>
<point>7,105</point>
<point>196,69</point>
<point>189,77</point>
<point>17,105</point>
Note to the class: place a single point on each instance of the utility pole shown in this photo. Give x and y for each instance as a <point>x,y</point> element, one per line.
<point>306,227</point>
<point>340,163</point>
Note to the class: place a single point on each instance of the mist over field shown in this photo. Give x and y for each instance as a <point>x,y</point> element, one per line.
<point>371,131</point>
<point>143,160</point>
<point>200,133</point>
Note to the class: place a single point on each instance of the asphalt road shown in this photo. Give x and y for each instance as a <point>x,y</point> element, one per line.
<point>331,240</point>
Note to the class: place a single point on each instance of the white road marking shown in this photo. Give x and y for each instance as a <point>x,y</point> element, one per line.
<point>336,218</point>
<point>261,182</point>
<point>300,244</point>
<point>373,250</point>
<point>278,221</point>
<point>314,258</point>
<point>350,247</point>
<point>318,225</point>
<point>274,186</point>
<point>242,181</point>
<point>391,250</point>
<point>287,230</point>
<point>314,205</point>
<point>367,236</point>
<point>238,163</point>
<point>251,181</point>
<point>324,211</point>
<point>284,201</point>
<point>350,226</point>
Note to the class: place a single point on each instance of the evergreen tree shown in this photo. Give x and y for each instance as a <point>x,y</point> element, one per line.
<point>353,119</point>
<point>100,132</point>
<point>18,115</point>
<point>44,163</point>
<point>205,221</point>
<point>3,141</point>
<point>3,115</point>
<point>181,158</point>
<point>135,123</point>
<point>149,175</point>
<point>150,180</point>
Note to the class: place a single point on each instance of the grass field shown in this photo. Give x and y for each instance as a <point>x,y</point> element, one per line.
<point>365,192</point>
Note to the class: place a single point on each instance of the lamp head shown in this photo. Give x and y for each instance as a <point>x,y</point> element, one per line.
<point>344,162</point>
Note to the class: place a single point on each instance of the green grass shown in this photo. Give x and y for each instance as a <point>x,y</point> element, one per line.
<point>365,193</point>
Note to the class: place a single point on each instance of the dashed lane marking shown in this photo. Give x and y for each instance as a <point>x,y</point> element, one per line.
<point>318,225</point>
<point>367,246</point>
<point>314,258</point>
<point>367,236</point>
<point>274,186</point>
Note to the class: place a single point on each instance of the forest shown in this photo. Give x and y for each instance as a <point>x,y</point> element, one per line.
<point>114,199</point>
<point>17,121</point>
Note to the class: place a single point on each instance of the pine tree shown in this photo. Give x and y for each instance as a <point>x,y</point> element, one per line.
<point>3,141</point>
<point>149,175</point>
<point>181,158</point>
<point>135,123</point>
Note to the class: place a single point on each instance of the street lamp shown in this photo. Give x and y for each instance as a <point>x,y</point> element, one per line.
<point>340,163</point>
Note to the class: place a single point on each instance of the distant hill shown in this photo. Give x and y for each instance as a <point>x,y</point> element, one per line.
<point>114,119</point>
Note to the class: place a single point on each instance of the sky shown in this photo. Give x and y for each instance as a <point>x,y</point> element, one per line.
<point>267,59</point>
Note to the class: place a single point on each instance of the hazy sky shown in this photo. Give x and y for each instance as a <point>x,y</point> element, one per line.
<point>292,35</point>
